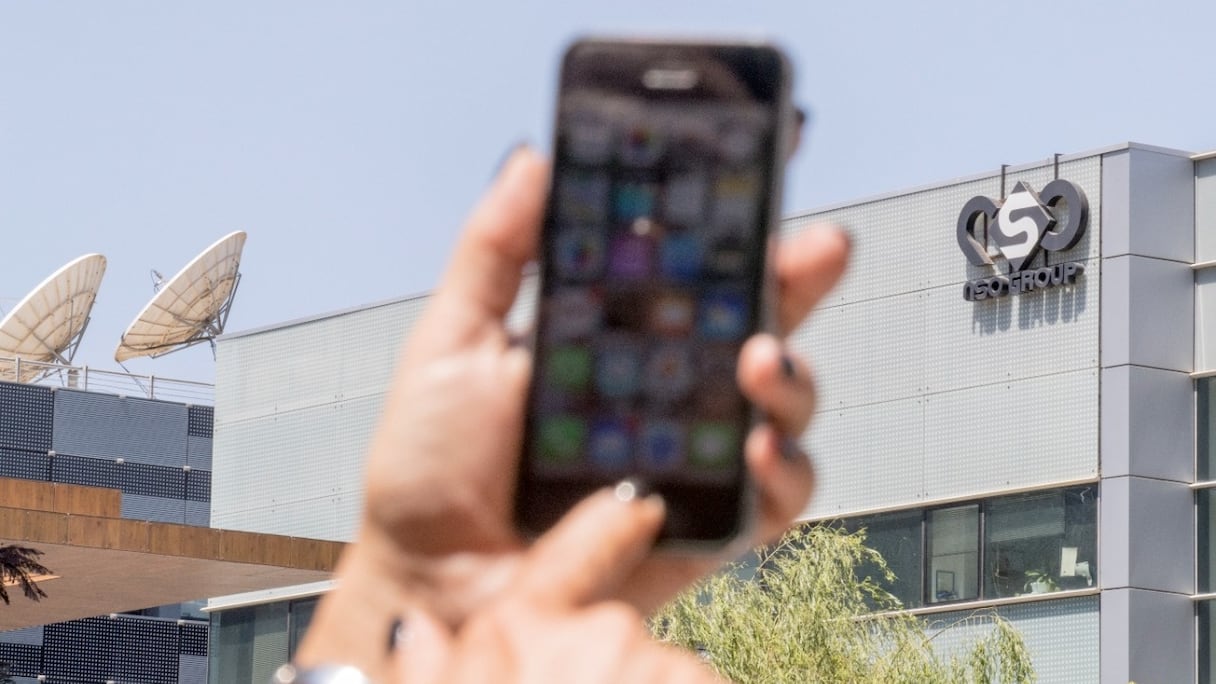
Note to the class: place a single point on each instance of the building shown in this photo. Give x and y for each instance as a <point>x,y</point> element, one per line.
<point>1009,379</point>
<point>115,490</point>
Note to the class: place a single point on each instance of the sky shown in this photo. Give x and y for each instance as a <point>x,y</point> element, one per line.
<point>349,139</point>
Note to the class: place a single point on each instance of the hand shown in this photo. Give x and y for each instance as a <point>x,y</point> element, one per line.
<point>550,623</point>
<point>437,527</point>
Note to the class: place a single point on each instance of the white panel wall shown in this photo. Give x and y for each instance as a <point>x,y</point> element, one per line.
<point>926,396</point>
<point>296,406</point>
<point>295,409</point>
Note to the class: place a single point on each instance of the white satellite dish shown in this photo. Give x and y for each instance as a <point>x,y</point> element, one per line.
<point>46,326</point>
<point>192,307</point>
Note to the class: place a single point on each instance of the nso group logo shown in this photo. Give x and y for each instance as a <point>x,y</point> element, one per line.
<point>1019,227</point>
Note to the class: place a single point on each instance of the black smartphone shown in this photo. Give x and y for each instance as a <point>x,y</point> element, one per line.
<point>654,258</point>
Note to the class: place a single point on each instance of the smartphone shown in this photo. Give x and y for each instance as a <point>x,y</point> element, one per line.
<point>655,251</point>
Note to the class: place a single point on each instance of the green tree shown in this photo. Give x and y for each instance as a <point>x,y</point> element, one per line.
<point>806,616</point>
<point>18,565</point>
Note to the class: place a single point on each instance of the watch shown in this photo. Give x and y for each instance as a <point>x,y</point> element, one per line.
<point>322,674</point>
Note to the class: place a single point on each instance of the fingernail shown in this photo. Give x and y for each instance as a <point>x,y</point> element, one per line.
<point>502,161</point>
<point>626,491</point>
<point>787,367</point>
<point>396,634</point>
<point>789,449</point>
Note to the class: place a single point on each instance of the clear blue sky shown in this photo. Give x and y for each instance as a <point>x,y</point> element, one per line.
<point>349,138</point>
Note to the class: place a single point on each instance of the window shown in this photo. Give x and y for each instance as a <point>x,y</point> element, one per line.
<point>1038,543</point>
<point>954,554</point>
<point>1033,543</point>
<point>897,537</point>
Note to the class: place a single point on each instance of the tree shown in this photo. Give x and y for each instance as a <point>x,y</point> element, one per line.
<point>806,616</point>
<point>18,565</point>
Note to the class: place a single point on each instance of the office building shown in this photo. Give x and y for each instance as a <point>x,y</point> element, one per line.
<point>1009,377</point>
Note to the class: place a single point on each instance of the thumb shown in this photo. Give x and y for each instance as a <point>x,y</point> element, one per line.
<point>423,650</point>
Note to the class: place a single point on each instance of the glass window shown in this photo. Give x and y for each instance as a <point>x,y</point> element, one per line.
<point>1207,655</point>
<point>1205,526</point>
<point>301,618</point>
<point>1039,543</point>
<point>248,644</point>
<point>953,545</point>
<point>1205,421</point>
<point>897,536</point>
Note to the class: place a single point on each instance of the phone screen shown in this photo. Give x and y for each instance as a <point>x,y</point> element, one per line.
<point>653,276</point>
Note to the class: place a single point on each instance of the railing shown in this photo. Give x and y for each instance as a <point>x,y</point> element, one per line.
<point>110,382</point>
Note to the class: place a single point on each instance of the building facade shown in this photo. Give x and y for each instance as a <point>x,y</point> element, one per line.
<point>115,491</point>
<point>157,455</point>
<point>1008,374</point>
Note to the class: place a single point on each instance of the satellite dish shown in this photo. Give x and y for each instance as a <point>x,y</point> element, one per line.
<point>46,326</point>
<point>192,307</point>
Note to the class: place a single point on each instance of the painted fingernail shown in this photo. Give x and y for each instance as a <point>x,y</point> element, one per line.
<point>790,451</point>
<point>787,367</point>
<point>396,634</point>
<point>502,161</point>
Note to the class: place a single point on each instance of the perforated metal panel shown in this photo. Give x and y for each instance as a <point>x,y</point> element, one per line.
<point>267,469</point>
<point>93,472</point>
<point>104,426</point>
<point>198,485</point>
<point>26,416</point>
<point>151,480</point>
<point>926,395</point>
<point>200,421</point>
<point>198,452</point>
<point>192,669</point>
<point>311,363</point>
<point>198,513</point>
<point>26,465</point>
<point>100,649</point>
<point>154,508</point>
<point>31,636</point>
<point>1061,635</point>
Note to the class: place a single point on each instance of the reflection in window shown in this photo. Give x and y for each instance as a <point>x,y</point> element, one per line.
<point>1040,543</point>
<point>953,544</point>
<point>1205,421</point>
<point>1205,526</point>
<point>897,537</point>
<point>1207,655</point>
<point>301,617</point>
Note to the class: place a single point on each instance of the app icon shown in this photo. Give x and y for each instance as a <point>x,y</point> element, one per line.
<point>608,445</point>
<point>572,313</point>
<point>623,311</point>
<point>714,444</point>
<point>631,257</point>
<point>728,255</point>
<point>641,145</point>
<point>561,439</point>
<point>582,197</point>
<point>633,200</point>
<point>618,370</point>
<point>736,198</point>
<point>568,368</point>
<point>588,138</point>
<point>739,141</point>
<point>717,392</point>
<point>579,253</point>
<point>669,373</point>
<point>680,256</point>
<point>661,444</point>
<point>685,198</point>
<point>672,313</point>
<point>723,315</point>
